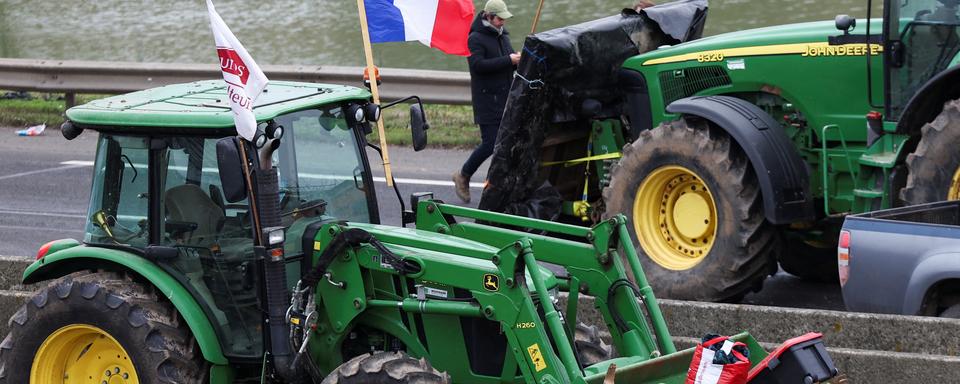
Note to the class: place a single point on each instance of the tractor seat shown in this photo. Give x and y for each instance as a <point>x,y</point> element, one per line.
<point>192,216</point>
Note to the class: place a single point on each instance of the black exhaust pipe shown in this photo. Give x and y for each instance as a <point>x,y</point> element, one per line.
<point>274,271</point>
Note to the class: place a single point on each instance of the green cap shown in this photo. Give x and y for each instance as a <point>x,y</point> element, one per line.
<point>497,7</point>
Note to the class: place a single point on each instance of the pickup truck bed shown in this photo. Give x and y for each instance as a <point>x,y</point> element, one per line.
<point>904,260</point>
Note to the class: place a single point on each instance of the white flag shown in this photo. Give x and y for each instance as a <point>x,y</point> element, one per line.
<point>243,76</point>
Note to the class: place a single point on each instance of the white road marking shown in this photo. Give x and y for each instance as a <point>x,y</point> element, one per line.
<point>78,162</point>
<point>28,173</point>
<point>20,227</point>
<point>378,179</point>
<point>44,214</point>
<point>423,182</point>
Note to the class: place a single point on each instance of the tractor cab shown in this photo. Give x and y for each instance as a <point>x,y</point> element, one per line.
<point>157,187</point>
<point>921,42</point>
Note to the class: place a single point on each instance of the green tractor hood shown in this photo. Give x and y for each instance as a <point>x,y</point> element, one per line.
<point>782,39</point>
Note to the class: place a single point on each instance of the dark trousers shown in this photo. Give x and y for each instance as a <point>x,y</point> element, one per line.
<point>488,136</point>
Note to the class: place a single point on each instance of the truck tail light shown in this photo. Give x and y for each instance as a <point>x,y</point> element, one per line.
<point>843,257</point>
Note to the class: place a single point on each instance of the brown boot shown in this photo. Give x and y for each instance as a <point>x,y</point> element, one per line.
<point>461,184</point>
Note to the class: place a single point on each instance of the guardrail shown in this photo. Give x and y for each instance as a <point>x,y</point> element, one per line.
<point>109,77</point>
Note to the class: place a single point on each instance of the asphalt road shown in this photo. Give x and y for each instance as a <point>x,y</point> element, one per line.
<point>45,187</point>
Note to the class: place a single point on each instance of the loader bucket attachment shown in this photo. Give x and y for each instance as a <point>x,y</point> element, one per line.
<point>667,369</point>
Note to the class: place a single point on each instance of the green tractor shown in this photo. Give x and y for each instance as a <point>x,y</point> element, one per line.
<point>211,259</point>
<point>734,152</point>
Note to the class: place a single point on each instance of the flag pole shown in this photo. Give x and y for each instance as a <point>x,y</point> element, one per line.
<point>371,71</point>
<point>536,18</point>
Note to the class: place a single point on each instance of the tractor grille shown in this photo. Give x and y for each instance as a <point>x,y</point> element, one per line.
<point>679,83</point>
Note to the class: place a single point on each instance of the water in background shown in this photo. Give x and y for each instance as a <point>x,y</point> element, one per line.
<point>317,32</point>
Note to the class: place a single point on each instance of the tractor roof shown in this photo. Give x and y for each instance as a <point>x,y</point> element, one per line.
<point>203,104</point>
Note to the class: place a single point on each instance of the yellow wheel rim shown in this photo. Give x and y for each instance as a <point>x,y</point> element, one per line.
<point>675,217</point>
<point>954,192</point>
<point>81,353</point>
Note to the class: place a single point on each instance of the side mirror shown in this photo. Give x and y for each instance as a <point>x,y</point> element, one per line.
<point>231,169</point>
<point>845,23</point>
<point>418,126</point>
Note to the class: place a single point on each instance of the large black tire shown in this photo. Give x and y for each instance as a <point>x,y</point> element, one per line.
<point>933,166</point>
<point>157,342</point>
<point>743,248</point>
<point>591,348</point>
<point>952,312</point>
<point>810,261</point>
<point>386,368</point>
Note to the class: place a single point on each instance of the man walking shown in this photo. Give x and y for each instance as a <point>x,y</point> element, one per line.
<point>492,62</point>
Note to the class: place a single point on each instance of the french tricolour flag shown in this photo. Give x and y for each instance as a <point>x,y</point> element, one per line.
<point>441,24</point>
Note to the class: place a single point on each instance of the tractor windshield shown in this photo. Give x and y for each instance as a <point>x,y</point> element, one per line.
<point>319,160</point>
<point>927,30</point>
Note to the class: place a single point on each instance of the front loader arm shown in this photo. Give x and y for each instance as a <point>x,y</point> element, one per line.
<point>591,258</point>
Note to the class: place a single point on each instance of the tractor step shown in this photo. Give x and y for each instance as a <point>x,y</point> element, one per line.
<point>868,193</point>
<point>879,160</point>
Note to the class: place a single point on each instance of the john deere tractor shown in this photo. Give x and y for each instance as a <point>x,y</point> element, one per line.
<point>208,258</point>
<point>733,152</point>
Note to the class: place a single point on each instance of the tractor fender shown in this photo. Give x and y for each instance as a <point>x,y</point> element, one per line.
<point>82,258</point>
<point>781,172</point>
<point>927,102</point>
<point>939,266</point>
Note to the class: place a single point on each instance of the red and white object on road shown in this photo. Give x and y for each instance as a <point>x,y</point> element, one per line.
<point>35,130</point>
<point>705,370</point>
<point>243,76</point>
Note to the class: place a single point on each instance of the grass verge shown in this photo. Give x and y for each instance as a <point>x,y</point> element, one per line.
<point>451,126</point>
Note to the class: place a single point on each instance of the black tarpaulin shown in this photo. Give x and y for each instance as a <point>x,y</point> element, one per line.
<point>682,20</point>
<point>565,76</point>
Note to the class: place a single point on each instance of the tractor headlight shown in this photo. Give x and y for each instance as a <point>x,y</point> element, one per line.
<point>274,130</point>
<point>274,236</point>
<point>354,113</point>
<point>372,112</point>
<point>358,115</point>
<point>259,139</point>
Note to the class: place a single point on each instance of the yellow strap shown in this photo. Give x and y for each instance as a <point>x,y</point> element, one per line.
<point>567,163</point>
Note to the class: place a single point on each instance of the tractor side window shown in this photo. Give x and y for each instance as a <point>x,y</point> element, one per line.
<point>119,204</point>
<point>214,240</point>
<point>319,160</point>
<point>195,212</point>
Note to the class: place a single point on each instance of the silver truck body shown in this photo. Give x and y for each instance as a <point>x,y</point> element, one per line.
<point>899,258</point>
